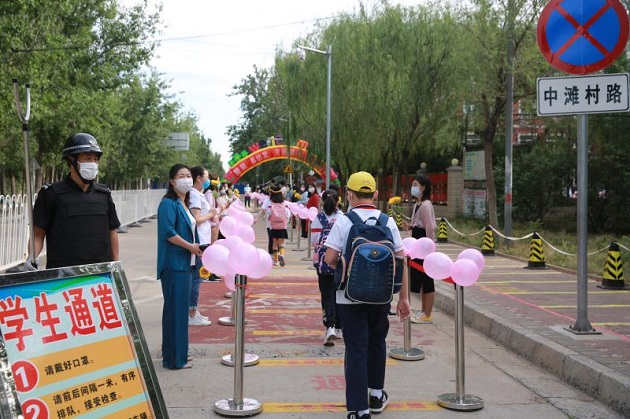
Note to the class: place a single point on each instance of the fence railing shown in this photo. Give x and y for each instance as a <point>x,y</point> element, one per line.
<point>131,206</point>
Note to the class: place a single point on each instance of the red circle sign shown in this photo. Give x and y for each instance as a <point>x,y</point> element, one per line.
<point>582,36</point>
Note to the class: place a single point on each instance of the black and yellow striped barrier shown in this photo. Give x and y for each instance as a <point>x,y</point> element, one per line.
<point>536,253</point>
<point>442,236</point>
<point>487,246</point>
<point>613,271</point>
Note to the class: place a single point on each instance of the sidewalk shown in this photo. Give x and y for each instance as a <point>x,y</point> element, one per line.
<point>297,377</point>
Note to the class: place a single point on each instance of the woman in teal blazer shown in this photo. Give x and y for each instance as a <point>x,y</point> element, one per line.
<point>177,247</point>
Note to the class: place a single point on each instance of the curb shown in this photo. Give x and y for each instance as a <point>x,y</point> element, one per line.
<point>594,378</point>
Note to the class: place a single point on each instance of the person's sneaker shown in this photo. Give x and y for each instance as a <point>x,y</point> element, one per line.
<point>421,318</point>
<point>198,314</point>
<point>377,405</point>
<point>212,278</point>
<point>276,263</point>
<point>281,260</point>
<point>329,339</point>
<point>198,321</point>
<point>355,415</point>
<point>338,334</point>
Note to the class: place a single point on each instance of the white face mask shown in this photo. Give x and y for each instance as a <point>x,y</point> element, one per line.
<point>88,170</point>
<point>311,190</point>
<point>183,185</point>
<point>415,191</point>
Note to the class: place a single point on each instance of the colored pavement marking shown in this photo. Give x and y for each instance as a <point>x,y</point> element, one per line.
<point>590,306</point>
<point>309,362</point>
<point>563,292</point>
<point>611,324</point>
<point>299,284</point>
<point>528,282</point>
<point>286,332</point>
<point>341,407</point>
<point>278,296</point>
<point>280,311</point>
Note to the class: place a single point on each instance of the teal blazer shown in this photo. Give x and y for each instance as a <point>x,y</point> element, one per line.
<point>173,220</point>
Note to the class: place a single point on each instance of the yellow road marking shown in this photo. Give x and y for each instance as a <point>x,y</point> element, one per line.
<point>611,324</point>
<point>289,311</point>
<point>340,407</point>
<point>269,295</point>
<point>309,362</point>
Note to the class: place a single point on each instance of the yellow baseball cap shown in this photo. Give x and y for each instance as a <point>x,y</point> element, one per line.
<point>361,182</point>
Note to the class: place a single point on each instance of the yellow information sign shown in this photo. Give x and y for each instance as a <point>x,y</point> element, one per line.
<point>59,327</point>
<point>288,169</point>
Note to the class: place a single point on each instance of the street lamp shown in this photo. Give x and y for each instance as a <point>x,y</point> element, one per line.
<point>302,55</point>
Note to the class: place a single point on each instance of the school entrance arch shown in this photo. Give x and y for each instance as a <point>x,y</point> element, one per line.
<point>259,155</point>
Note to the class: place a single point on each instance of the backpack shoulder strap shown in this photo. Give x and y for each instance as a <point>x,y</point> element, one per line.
<point>383,219</point>
<point>322,219</point>
<point>354,217</point>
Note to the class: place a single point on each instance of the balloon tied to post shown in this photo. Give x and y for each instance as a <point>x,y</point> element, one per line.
<point>464,271</point>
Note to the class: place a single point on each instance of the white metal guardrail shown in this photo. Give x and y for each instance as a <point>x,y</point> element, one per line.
<point>131,205</point>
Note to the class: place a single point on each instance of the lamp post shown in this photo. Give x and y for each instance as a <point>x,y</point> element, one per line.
<point>328,53</point>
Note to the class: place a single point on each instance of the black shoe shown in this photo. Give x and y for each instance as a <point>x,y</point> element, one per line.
<point>355,415</point>
<point>378,405</point>
<point>212,278</point>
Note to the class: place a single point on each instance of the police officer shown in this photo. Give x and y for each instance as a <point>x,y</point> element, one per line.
<point>76,216</point>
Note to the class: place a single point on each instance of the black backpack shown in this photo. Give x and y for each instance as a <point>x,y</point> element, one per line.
<point>368,270</point>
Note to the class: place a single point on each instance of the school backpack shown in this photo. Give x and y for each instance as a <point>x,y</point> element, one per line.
<point>319,251</point>
<point>368,271</point>
<point>278,218</point>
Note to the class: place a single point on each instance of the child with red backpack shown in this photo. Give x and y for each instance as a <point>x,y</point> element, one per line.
<point>278,215</point>
<point>320,228</point>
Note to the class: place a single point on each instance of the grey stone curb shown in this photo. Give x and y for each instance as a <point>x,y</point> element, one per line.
<point>595,379</point>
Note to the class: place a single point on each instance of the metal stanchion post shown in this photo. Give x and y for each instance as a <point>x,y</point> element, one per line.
<point>460,400</point>
<point>230,321</point>
<point>407,353</point>
<point>291,228</point>
<point>308,242</point>
<point>239,406</point>
<point>299,234</point>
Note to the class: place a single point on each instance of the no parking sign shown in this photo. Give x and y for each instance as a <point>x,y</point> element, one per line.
<point>582,36</point>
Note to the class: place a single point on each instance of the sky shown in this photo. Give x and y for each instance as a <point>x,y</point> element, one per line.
<point>209,46</point>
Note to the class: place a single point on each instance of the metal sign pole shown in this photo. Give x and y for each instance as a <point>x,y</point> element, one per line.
<point>582,325</point>
<point>460,400</point>
<point>24,117</point>
<point>407,353</point>
<point>239,406</point>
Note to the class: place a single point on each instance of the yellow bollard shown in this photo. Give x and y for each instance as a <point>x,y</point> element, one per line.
<point>442,236</point>
<point>536,253</point>
<point>487,246</point>
<point>613,271</point>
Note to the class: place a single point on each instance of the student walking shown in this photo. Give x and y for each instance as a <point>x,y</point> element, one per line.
<point>278,215</point>
<point>320,228</point>
<point>365,326</point>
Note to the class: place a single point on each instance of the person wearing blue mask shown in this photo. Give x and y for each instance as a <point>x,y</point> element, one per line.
<point>203,212</point>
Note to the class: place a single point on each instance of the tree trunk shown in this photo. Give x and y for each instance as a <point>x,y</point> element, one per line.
<point>491,189</point>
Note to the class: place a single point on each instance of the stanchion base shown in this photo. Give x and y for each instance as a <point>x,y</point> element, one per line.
<point>248,360</point>
<point>414,354</point>
<point>468,402</point>
<point>227,407</point>
<point>226,321</point>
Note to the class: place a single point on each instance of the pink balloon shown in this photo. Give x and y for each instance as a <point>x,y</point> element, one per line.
<point>264,265</point>
<point>232,242</point>
<point>465,272</point>
<point>219,241</point>
<point>233,210</point>
<point>303,213</point>
<point>312,213</point>
<point>229,281</point>
<point>437,265</point>
<point>241,258</point>
<point>227,225</point>
<point>408,242</point>
<point>474,255</point>
<point>246,233</point>
<point>422,247</point>
<point>246,218</point>
<point>215,259</point>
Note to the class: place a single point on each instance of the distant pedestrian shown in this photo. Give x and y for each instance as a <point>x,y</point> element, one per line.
<point>422,224</point>
<point>365,326</point>
<point>325,277</point>
<point>177,248</point>
<point>278,215</point>
<point>247,194</point>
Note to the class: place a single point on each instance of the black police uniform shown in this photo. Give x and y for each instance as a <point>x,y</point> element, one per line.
<point>78,224</point>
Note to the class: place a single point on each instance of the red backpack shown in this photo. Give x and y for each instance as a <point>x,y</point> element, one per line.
<point>278,218</point>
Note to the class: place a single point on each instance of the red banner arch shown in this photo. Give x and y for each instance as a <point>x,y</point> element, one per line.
<point>299,152</point>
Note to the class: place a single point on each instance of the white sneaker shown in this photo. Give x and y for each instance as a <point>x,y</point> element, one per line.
<point>338,334</point>
<point>198,314</point>
<point>329,339</point>
<point>198,321</point>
